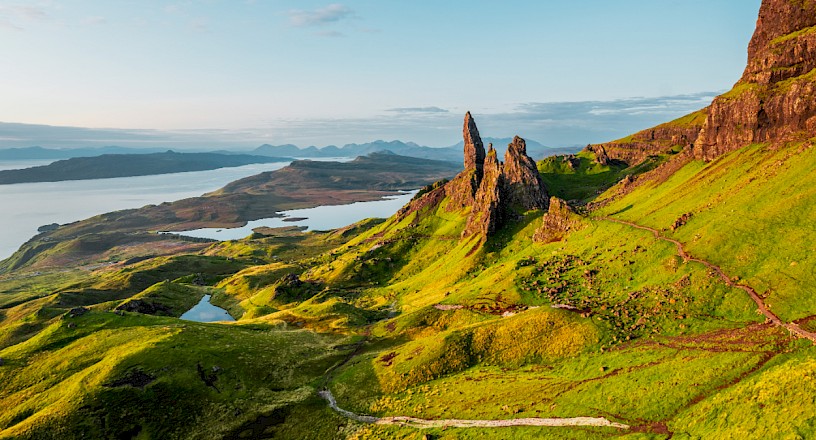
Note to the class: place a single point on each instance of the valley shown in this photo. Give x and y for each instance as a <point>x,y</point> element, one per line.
<point>657,286</point>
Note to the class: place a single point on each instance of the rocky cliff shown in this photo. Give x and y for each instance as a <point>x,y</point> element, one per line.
<point>634,149</point>
<point>491,192</point>
<point>775,100</point>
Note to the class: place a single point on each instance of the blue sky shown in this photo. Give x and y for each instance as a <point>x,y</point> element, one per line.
<point>310,72</point>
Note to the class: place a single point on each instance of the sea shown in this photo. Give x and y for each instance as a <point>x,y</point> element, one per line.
<point>27,206</point>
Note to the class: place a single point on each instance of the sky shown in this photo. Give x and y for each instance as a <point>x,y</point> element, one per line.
<point>235,73</point>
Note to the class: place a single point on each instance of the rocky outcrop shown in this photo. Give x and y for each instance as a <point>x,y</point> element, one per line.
<point>523,185</point>
<point>490,191</point>
<point>559,220</point>
<point>145,308</point>
<point>632,150</point>
<point>775,100</point>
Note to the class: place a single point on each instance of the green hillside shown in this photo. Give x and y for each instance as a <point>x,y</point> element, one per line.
<point>661,294</point>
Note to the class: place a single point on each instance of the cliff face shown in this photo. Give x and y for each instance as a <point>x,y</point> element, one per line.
<point>636,148</point>
<point>493,192</point>
<point>775,100</point>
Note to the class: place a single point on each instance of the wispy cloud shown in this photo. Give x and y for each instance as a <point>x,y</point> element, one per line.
<point>556,124</point>
<point>94,21</point>
<point>330,34</point>
<point>12,15</point>
<point>406,110</point>
<point>319,17</point>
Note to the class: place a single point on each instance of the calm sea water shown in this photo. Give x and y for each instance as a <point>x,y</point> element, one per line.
<point>321,218</point>
<point>206,312</point>
<point>26,206</point>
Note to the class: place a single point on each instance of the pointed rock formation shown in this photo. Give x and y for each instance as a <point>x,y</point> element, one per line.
<point>524,188</point>
<point>775,101</point>
<point>474,148</point>
<point>489,210</point>
<point>494,193</point>
<point>465,186</point>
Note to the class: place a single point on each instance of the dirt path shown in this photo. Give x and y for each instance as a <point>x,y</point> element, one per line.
<point>792,327</point>
<point>458,423</point>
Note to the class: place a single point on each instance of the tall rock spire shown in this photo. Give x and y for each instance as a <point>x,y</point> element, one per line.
<point>474,148</point>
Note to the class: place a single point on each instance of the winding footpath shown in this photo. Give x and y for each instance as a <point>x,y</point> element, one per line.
<point>763,308</point>
<point>459,423</point>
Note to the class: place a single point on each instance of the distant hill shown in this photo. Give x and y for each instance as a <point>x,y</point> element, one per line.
<point>452,153</point>
<point>381,170</point>
<point>128,165</point>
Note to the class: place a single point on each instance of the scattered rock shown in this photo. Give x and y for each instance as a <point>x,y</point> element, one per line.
<point>145,308</point>
<point>209,378</point>
<point>681,221</point>
<point>135,378</point>
<point>77,311</point>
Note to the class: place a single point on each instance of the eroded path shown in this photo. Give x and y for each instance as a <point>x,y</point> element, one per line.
<point>459,423</point>
<point>763,308</point>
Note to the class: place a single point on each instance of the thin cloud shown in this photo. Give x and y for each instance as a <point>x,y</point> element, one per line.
<point>417,110</point>
<point>555,124</point>
<point>330,34</point>
<point>94,21</point>
<point>11,16</point>
<point>320,17</point>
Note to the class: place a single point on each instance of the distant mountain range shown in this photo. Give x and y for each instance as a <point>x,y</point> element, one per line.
<point>451,154</point>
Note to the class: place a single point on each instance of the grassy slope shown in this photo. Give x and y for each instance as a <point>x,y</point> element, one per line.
<point>753,213</point>
<point>73,372</point>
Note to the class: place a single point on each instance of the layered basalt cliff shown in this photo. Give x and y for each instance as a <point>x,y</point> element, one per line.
<point>775,100</point>
<point>493,192</point>
<point>634,149</point>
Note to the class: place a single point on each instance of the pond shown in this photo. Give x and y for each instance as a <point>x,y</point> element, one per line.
<point>206,312</point>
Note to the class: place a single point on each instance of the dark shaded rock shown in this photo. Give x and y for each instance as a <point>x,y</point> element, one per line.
<point>2,362</point>
<point>135,378</point>
<point>523,185</point>
<point>559,220</point>
<point>208,377</point>
<point>775,100</point>
<point>291,280</point>
<point>681,221</point>
<point>145,308</point>
<point>48,228</point>
<point>474,148</point>
<point>77,311</point>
